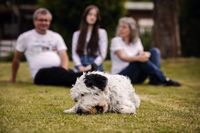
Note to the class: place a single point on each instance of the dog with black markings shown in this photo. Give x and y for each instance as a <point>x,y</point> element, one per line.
<point>98,92</point>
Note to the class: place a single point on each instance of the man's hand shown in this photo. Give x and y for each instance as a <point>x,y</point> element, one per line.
<point>15,65</point>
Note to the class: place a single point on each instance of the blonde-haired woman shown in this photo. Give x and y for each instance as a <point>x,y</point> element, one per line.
<point>129,58</point>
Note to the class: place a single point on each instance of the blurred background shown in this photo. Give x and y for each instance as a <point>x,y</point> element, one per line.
<point>171,25</point>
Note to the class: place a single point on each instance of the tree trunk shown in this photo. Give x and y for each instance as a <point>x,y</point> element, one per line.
<point>166,27</point>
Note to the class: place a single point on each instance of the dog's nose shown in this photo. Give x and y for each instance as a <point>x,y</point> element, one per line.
<point>99,109</point>
<point>75,100</point>
<point>79,111</point>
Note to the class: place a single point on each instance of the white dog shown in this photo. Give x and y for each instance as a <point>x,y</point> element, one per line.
<point>98,92</point>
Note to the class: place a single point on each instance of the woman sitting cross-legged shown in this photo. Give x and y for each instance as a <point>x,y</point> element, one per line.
<point>129,58</point>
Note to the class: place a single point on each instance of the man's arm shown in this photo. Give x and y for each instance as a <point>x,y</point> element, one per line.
<point>64,59</point>
<point>15,65</point>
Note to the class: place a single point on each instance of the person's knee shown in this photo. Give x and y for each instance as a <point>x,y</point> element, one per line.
<point>155,51</point>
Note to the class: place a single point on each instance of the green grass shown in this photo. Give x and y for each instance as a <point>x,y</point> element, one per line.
<point>26,108</point>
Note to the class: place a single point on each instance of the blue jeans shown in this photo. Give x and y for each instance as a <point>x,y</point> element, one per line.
<point>87,60</point>
<point>139,71</point>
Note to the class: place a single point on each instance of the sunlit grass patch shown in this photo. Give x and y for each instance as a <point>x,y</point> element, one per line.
<point>25,107</point>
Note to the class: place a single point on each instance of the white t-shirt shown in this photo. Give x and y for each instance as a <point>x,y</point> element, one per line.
<point>131,50</point>
<point>41,51</point>
<point>103,44</point>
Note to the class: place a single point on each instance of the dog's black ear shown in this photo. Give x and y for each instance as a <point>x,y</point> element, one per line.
<point>97,80</point>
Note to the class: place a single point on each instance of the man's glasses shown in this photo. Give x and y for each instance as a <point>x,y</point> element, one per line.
<point>43,20</point>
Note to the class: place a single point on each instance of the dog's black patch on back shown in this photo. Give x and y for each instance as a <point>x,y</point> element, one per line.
<point>97,80</point>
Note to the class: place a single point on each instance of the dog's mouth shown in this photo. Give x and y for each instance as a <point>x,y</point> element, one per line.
<point>94,110</point>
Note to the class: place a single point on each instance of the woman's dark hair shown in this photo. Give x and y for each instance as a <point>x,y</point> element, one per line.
<point>92,46</point>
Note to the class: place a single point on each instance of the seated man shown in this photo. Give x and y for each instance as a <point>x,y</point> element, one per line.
<point>45,52</point>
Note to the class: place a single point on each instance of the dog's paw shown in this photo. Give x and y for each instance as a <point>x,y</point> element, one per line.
<point>127,109</point>
<point>69,111</point>
<point>137,100</point>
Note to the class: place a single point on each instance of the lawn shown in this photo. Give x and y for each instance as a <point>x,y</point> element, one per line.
<point>27,108</point>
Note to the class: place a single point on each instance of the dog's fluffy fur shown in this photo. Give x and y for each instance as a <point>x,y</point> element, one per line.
<point>98,92</point>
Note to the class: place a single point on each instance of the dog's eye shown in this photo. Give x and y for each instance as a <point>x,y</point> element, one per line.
<point>96,94</point>
<point>82,95</point>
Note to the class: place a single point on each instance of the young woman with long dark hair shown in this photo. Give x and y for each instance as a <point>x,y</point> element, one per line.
<point>89,43</point>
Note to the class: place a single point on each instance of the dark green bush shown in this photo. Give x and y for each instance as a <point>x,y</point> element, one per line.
<point>146,38</point>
